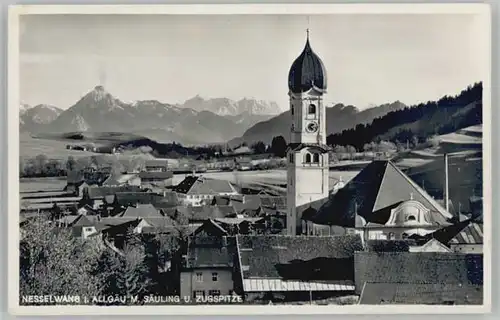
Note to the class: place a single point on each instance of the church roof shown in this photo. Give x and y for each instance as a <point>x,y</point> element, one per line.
<point>377,189</point>
<point>307,72</point>
<point>297,146</point>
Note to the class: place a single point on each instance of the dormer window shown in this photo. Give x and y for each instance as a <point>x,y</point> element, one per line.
<point>411,218</point>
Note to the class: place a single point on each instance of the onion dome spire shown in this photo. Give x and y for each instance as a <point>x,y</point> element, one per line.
<point>307,71</point>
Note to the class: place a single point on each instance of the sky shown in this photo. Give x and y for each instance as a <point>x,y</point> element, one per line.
<point>370,59</point>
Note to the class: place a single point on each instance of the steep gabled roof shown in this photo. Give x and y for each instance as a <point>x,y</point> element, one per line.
<point>142,211</point>
<point>377,189</point>
<point>463,232</point>
<point>198,185</point>
<point>471,234</point>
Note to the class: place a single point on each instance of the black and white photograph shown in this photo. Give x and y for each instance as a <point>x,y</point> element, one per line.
<point>285,158</point>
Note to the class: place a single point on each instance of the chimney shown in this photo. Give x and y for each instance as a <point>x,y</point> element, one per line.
<point>445,191</point>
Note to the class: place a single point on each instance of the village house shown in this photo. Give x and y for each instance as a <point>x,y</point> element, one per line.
<point>75,183</point>
<point>210,267</point>
<point>156,165</point>
<point>95,196</point>
<point>198,191</point>
<point>156,178</point>
<point>82,226</point>
<point>127,179</point>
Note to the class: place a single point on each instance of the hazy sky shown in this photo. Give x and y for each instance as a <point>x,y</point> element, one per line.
<point>370,59</point>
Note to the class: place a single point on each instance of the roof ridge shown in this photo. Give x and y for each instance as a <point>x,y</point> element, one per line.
<point>379,186</point>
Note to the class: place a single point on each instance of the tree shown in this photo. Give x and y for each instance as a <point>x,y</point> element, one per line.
<point>55,213</point>
<point>339,149</point>
<point>53,262</point>
<point>351,150</point>
<point>70,164</point>
<point>125,270</point>
<point>414,141</point>
<point>279,146</point>
<point>259,147</point>
<point>40,162</point>
<point>433,141</point>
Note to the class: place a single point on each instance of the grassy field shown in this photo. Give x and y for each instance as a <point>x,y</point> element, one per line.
<point>30,147</point>
<point>41,184</point>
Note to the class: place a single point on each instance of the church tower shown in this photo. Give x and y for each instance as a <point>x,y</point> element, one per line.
<point>307,154</point>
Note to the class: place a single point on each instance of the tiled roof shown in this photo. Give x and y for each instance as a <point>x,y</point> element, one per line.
<point>389,245</point>
<point>112,180</point>
<point>134,198</point>
<point>156,175</point>
<point>464,232</point>
<point>305,258</point>
<point>217,254</point>
<point>300,146</point>
<point>421,293</point>
<point>121,228</point>
<point>418,267</point>
<point>142,211</point>
<point>205,212</point>
<point>221,201</point>
<point>205,186</point>
<point>101,192</point>
<point>377,189</point>
<point>471,234</point>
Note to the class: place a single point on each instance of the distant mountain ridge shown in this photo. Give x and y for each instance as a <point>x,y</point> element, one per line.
<point>228,107</point>
<point>34,118</point>
<point>100,111</point>
<point>339,117</point>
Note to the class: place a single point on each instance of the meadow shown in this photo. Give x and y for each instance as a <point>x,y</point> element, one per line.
<point>30,147</point>
<point>41,184</point>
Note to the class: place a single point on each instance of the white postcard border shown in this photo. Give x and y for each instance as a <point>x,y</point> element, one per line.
<point>13,154</point>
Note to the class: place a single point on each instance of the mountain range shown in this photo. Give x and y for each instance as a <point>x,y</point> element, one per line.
<point>37,117</point>
<point>197,121</point>
<point>339,117</point>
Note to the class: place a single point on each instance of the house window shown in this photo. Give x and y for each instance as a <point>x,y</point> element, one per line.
<point>199,277</point>
<point>291,110</point>
<point>199,293</point>
<point>291,157</point>
<point>392,236</point>
<point>316,158</point>
<point>214,293</point>
<point>214,276</point>
<point>311,109</point>
<point>307,158</point>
